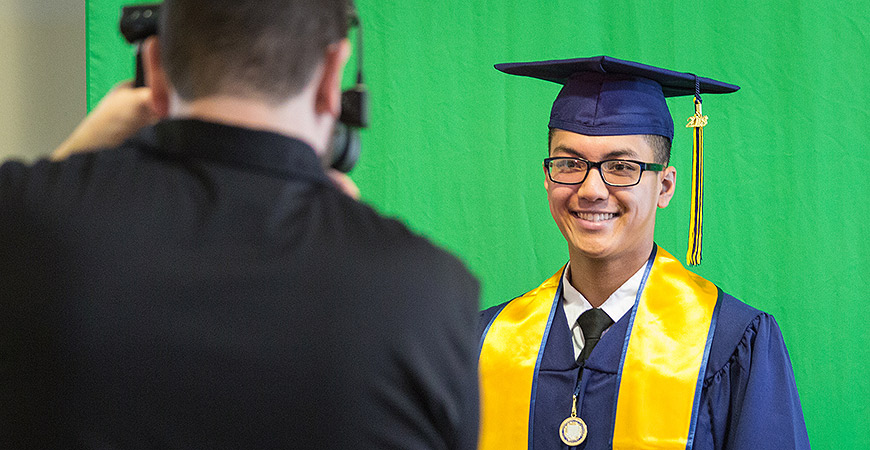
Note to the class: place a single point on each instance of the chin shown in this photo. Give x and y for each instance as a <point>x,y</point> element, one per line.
<point>592,249</point>
<point>603,247</point>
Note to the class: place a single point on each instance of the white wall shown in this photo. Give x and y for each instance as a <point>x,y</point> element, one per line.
<point>42,74</point>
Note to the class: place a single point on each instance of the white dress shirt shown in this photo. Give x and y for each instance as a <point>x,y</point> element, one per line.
<point>619,303</point>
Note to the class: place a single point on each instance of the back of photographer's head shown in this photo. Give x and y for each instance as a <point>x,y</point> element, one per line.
<point>264,49</point>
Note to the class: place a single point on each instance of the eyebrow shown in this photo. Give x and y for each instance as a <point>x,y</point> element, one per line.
<point>618,153</point>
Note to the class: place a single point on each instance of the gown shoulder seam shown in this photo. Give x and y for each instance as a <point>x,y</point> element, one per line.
<point>745,341</point>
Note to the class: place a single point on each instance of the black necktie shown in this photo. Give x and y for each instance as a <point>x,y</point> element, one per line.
<point>593,322</point>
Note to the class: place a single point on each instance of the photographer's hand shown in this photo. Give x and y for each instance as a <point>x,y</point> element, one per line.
<point>119,115</point>
<point>344,183</point>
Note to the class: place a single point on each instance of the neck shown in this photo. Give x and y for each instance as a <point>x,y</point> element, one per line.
<point>598,279</point>
<point>291,118</point>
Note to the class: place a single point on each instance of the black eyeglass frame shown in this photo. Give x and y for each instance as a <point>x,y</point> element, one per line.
<point>644,166</point>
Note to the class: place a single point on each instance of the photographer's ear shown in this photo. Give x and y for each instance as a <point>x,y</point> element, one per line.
<point>328,98</point>
<point>155,76</point>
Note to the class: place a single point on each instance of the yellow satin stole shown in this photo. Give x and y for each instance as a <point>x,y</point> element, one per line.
<point>661,370</point>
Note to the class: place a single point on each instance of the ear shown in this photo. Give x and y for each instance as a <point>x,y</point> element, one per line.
<point>669,186</point>
<point>155,76</point>
<point>328,96</point>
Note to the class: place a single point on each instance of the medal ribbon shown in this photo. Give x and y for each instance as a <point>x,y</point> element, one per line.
<point>509,359</point>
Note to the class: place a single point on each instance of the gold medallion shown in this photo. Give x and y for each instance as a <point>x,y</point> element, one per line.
<point>572,431</point>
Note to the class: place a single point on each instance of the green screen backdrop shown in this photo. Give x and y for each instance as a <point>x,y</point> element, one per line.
<point>455,151</point>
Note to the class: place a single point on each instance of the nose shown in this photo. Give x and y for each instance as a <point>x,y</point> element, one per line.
<point>593,188</point>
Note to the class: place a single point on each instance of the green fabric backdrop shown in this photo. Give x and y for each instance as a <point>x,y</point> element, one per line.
<point>455,151</point>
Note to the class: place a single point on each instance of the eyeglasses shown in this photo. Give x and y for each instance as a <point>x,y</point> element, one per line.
<point>614,172</point>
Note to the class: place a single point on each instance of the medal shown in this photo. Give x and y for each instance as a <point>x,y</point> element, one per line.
<point>573,429</point>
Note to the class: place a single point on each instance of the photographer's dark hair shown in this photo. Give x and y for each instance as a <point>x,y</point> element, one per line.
<point>264,49</point>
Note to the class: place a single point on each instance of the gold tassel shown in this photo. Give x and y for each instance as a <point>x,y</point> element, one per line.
<point>697,123</point>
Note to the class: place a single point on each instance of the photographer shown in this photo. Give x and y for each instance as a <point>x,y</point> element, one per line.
<point>205,284</point>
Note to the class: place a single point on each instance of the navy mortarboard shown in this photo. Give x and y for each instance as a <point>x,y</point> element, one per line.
<point>604,96</point>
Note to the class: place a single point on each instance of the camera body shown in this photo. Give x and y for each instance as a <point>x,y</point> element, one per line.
<point>138,22</point>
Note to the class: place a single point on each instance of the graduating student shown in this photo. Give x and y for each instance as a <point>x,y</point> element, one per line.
<point>623,347</point>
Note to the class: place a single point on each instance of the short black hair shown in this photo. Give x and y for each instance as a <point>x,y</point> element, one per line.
<point>661,146</point>
<point>264,49</point>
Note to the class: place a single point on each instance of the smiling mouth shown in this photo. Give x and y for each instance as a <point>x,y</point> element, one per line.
<point>593,217</point>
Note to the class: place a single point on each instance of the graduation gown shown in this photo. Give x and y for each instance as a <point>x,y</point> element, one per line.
<point>748,401</point>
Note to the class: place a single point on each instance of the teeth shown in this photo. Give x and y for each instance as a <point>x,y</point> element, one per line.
<point>595,217</point>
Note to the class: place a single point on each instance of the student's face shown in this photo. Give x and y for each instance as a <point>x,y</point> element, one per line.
<point>602,222</point>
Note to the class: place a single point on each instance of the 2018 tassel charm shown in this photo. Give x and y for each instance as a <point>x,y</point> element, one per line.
<point>697,123</point>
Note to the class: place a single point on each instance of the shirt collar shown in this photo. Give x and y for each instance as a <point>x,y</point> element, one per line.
<point>255,150</point>
<point>619,303</point>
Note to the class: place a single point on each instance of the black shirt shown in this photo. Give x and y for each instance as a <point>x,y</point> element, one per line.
<point>205,286</point>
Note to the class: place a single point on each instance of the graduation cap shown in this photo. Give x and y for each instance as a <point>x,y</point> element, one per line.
<point>604,96</point>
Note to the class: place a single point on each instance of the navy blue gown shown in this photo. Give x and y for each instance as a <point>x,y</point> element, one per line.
<point>749,399</point>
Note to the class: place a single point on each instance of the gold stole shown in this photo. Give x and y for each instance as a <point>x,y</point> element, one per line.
<point>661,370</point>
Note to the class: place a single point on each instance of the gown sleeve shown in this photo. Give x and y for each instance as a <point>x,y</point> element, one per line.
<point>752,401</point>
